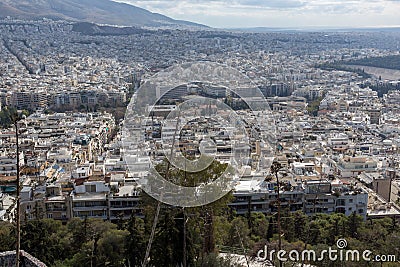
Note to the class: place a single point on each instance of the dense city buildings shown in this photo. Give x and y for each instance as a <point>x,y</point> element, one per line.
<point>338,139</point>
<point>170,143</point>
<point>330,124</point>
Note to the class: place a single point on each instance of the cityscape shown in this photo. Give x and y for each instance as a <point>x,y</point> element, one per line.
<point>177,144</point>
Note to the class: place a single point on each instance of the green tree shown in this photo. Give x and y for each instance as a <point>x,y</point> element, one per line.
<point>41,239</point>
<point>136,241</point>
<point>313,106</point>
<point>111,248</point>
<point>270,232</point>
<point>354,224</point>
<point>300,225</point>
<point>7,236</point>
<point>199,237</point>
<point>6,115</point>
<point>239,234</point>
<point>288,226</point>
<point>167,246</point>
<point>259,226</point>
<point>222,226</point>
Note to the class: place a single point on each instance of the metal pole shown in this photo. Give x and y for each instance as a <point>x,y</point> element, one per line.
<point>279,218</point>
<point>153,230</point>
<point>18,248</point>
<point>275,168</point>
<point>184,239</point>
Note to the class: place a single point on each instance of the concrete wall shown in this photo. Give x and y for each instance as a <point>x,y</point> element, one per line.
<point>8,259</point>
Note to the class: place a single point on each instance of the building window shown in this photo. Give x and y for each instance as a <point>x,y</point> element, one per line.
<point>90,188</point>
<point>341,210</point>
<point>341,202</point>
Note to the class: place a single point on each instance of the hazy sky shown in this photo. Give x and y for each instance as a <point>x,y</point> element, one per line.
<point>279,13</point>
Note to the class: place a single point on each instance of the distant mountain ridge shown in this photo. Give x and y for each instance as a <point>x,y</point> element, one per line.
<point>94,11</point>
<point>94,29</point>
<point>314,29</point>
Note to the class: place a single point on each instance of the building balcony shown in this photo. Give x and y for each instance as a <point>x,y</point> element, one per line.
<point>137,207</point>
<point>56,209</point>
<point>104,217</point>
<point>89,208</point>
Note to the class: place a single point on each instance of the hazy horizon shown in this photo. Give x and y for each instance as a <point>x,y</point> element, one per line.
<point>279,13</point>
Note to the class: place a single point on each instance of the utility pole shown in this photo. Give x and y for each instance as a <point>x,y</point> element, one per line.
<point>18,219</point>
<point>184,238</point>
<point>155,221</point>
<point>184,218</point>
<point>275,168</point>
